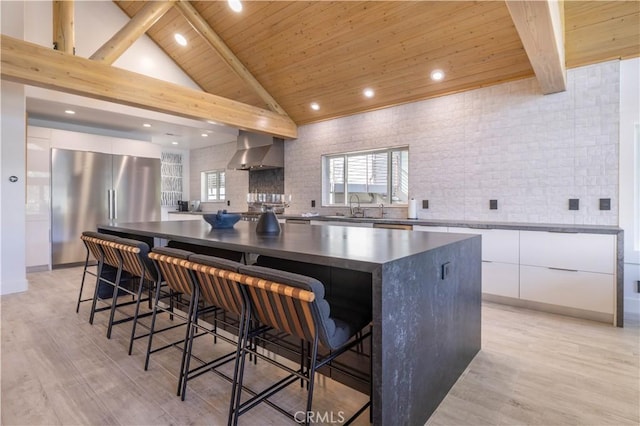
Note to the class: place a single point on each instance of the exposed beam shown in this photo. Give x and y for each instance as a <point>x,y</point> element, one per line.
<point>540,27</point>
<point>202,27</point>
<point>34,65</point>
<point>63,30</point>
<point>132,30</point>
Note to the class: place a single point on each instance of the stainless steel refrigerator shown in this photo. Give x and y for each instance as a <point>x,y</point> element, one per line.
<point>90,188</point>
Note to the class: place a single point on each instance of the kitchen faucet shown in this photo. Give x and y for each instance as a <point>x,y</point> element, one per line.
<point>381,210</point>
<point>351,209</point>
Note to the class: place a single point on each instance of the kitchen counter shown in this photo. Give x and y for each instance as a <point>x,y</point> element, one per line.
<point>425,298</point>
<point>522,226</point>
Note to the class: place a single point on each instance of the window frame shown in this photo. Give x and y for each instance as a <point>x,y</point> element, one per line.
<point>326,159</point>
<point>221,193</point>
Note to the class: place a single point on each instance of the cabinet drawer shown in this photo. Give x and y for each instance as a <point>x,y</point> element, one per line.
<point>498,245</point>
<point>501,279</point>
<point>576,289</point>
<point>583,252</point>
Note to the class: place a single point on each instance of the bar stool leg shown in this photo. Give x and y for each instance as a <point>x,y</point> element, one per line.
<point>135,314</point>
<point>153,322</point>
<point>192,323</point>
<point>114,300</point>
<point>95,291</point>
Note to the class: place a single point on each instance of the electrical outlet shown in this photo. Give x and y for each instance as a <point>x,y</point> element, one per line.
<point>574,204</point>
<point>228,202</point>
<point>425,204</point>
<point>637,286</point>
<point>493,204</point>
<point>313,203</point>
<point>605,203</point>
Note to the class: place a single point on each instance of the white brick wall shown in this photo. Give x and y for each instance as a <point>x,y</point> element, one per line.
<point>216,158</point>
<point>508,142</point>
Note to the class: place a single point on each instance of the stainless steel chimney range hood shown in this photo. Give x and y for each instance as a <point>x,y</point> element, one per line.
<point>256,151</point>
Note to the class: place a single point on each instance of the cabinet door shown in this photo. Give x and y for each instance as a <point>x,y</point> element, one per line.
<point>576,289</point>
<point>583,252</point>
<point>425,228</point>
<point>501,279</point>
<point>498,245</point>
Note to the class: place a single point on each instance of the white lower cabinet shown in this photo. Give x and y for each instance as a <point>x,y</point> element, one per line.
<point>576,289</point>
<point>501,279</point>
<point>182,216</point>
<point>341,223</point>
<point>425,228</point>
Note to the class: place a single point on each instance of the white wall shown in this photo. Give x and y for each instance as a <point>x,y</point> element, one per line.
<point>237,181</point>
<point>12,163</point>
<point>508,142</point>
<point>95,23</point>
<point>630,178</point>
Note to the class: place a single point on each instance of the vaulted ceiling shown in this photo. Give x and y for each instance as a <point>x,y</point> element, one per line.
<point>328,52</point>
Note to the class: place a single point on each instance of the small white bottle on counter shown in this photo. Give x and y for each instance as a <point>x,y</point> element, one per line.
<point>413,209</point>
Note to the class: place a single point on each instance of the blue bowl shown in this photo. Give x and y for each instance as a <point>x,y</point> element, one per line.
<point>221,220</point>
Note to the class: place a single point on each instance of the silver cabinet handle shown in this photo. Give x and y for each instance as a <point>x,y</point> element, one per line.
<point>563,269</point>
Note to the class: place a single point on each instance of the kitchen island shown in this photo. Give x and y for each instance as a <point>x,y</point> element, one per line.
<point>425,296</point>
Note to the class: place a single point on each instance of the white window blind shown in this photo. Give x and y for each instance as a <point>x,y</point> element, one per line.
<point>380,176</point>
<point>213,184</point>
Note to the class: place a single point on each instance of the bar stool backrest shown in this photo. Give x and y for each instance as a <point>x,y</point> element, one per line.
<point>173,265</point>
<point>286,306</point>
<point>135,258</point>
<point>218,280</point>
<point>96,242</point>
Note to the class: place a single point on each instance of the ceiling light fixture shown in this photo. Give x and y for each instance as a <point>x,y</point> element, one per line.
<point>69,111</point>
<point>437,75</point>
<point>146,125</point>
<point>315,106</point>
<point>235,5</point>
<point>204,135</point>
<point>174,143</point>
<point>368,92</point>
<point>180,39</point>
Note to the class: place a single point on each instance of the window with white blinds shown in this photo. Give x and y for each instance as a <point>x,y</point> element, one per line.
<point>213,185</point>
<point>380,176</point>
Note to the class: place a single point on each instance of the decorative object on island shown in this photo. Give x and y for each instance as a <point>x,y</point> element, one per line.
<point>222,219</point>
<point>268,223</point>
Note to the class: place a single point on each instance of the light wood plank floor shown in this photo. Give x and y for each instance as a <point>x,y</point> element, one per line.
<point>534,368</point>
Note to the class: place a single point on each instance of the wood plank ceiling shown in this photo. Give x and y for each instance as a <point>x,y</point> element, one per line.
<point>328,52</point>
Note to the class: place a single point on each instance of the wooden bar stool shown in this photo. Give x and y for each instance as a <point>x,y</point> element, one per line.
<point>94,253</point>
<point>294,304</point>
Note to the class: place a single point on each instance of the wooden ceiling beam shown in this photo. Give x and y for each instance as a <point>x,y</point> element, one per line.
<point>204,29</point>
<point>132,30</point>
<point>540,27</point>
<point>63,30</point>
<point>34,65</point>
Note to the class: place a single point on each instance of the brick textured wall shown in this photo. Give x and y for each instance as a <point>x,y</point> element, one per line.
<point>508,142</point>
<point>216,158</point>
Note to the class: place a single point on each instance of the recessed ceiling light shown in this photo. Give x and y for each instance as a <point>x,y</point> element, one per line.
<point>146,125</point>
<point>368,92</point>
<point>437,75</point>
<point>204,135</point>
<point>69,111</point>
<point>174,143</point>
<point>211,122</point>
<point>235,5</point>
<point>315,106</point>
<point>180,39</point>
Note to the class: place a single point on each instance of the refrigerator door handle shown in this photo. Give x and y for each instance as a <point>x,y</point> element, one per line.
<point>110,204</point>
<point>115,204</point>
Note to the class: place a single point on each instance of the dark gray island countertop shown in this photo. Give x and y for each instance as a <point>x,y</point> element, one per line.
<point>362,249</point>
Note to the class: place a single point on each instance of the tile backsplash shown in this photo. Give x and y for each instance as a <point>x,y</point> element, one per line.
<point>530,152</point>
<point>269,181</point>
